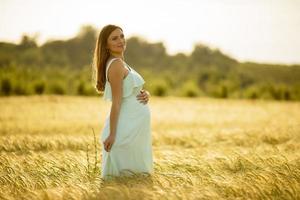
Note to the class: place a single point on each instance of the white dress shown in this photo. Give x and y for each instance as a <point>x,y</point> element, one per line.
<point>132,149</point>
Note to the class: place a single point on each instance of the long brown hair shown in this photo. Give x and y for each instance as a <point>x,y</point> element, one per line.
<point>101,55</point>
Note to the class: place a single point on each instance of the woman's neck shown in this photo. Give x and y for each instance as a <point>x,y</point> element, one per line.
<point>117,56</point>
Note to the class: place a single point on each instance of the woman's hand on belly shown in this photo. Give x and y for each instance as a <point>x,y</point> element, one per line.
<point>143,96</point>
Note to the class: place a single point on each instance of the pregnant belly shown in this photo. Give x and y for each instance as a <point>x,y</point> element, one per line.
<point>134,117</point>
<point>132,108</point>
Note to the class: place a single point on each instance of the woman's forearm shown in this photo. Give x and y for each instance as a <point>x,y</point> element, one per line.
<point>114,115</point>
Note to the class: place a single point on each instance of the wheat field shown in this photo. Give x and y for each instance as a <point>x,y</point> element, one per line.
<point>203,149</point>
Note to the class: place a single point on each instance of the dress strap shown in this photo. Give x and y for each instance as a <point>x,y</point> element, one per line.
<point>127,66</point>
<point>107,67</point>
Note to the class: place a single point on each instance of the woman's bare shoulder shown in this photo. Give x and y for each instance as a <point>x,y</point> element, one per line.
<point>115,69</point>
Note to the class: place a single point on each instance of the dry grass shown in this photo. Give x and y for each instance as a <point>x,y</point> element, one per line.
<point>203,149</point>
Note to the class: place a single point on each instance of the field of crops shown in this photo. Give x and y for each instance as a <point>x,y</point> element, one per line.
<point>203,149</point>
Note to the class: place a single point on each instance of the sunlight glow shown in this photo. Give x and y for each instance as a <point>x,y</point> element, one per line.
<point>259,30</point>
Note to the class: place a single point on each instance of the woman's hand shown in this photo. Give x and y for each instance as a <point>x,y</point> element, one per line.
<point>109,142</point>
<point>143,97</point>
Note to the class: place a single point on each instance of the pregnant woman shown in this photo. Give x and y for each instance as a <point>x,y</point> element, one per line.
<point>126,135</point>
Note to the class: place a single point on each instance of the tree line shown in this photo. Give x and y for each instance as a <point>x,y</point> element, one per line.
<point>64,67</point>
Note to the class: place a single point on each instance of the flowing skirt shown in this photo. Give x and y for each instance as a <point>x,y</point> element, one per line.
<point>132,149</point>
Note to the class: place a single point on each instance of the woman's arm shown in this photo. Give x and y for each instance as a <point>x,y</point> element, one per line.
<point>115,77</point>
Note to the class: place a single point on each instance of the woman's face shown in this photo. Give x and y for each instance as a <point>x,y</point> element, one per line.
<point>116,42</point>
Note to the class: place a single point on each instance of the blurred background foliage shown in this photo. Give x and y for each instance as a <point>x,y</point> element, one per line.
<point>65,67</point>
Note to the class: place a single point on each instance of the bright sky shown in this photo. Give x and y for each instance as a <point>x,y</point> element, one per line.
<point>249,30</point>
